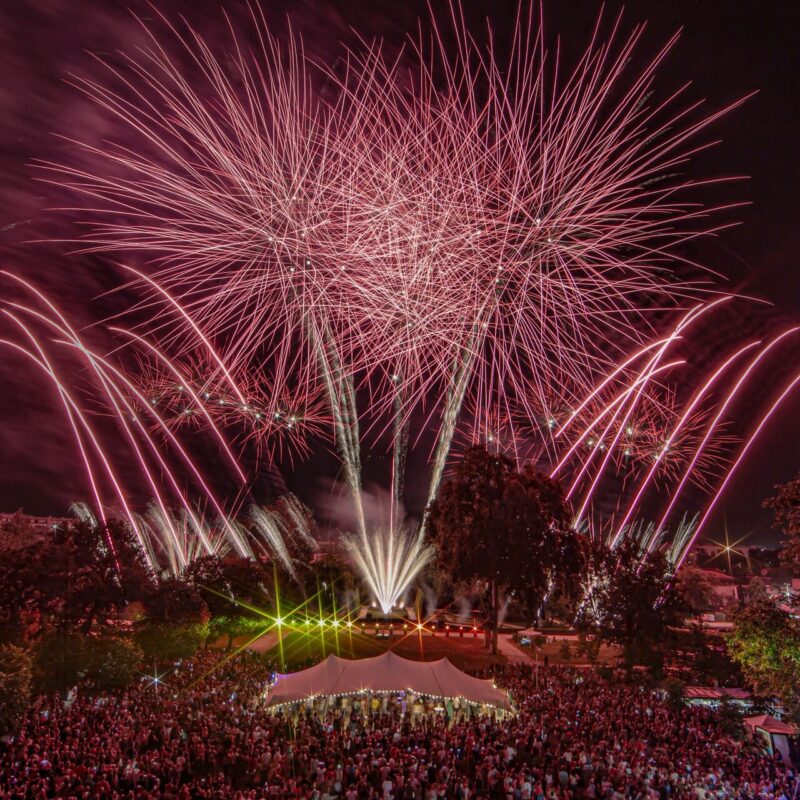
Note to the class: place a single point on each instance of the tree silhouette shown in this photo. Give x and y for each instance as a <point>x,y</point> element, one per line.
<point>635,603</point>
<point>506,530</point>
<point>786,507</point>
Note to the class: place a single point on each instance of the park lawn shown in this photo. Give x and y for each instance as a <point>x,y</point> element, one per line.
<point>299,649</point>
<point>607,655</point>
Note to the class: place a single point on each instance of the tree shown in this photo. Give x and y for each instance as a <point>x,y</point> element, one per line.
<point>162,643</point>
<point>59,660</point>
<point>73,580</point>
<point>786,508</point>
<point>589,647</point>
<point>707,658</point>
<point>112,662</point>
<point>331,585</point>
<point>765,642</point>
<point>15,684</point>
<point>696,589</point>
<point>675,690</point>
<point>506,530</point>
<point>234,590</point>
<point>729,717</point>
<point>176,601</point>
<point>635,603</point>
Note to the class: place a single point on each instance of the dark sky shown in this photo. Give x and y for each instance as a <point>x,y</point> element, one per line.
<point>727,49</point>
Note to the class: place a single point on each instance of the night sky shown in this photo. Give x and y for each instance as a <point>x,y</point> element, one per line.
<point>726,50</point>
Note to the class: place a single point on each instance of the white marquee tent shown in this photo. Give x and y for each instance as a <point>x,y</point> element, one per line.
<point>385,673</point>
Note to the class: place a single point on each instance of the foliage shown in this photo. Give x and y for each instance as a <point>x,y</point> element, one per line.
<point>675,690</point>
<point>16,674</point>
<point>635,604</point>
<point>786,508</point>
<point>757,591</point>
<point>62,658</point>
<point>59,661</point>
<point>696,589</point>
<point>729,716</point>
<point>175,601</point>
<point>332,577</point>
<point>76,579</point>
<point>112,662</point>
<point>765,642</point>
<point>168,642</point>
<point>589,647</point>
<point>228,583</point>
<point>508,530</point>
<point>706,657</point>
<point>564,652</point>
<point>233,587</point>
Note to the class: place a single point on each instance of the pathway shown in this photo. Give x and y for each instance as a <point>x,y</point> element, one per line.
<point>511,651</point>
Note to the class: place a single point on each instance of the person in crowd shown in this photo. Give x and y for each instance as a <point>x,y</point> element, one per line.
<point>204,732</point>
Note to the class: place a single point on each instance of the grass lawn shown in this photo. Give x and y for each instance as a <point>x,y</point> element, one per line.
<point>297,648</point>
<point>607,656</point>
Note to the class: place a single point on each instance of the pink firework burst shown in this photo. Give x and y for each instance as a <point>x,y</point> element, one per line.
<point>447,224</point>
<point>278,422</point>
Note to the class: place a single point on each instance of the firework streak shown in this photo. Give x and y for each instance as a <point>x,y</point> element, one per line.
<point>447,245</point>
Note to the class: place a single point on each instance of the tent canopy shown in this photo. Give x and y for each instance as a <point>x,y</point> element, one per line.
<point>384,673</point>
<point>770,725</point>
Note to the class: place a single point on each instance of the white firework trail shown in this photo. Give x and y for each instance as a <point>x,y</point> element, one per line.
<point>388,560</point>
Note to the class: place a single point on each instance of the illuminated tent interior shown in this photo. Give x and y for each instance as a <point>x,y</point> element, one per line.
<point>385,673</point>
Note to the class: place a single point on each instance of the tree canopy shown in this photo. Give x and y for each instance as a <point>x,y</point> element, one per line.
<point>506,529</point>
<point>633,602</point>
<point>765,642</point>
<point>786,507</point>
<point>74,578</point>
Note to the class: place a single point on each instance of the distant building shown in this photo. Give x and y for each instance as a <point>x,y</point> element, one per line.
<point>740,560</point>
<point>19,530</point>
<point>725,588</point>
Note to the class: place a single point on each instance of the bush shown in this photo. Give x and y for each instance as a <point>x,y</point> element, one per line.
<point>169,643</point>
<point>564,653</point>
<point>16,675</point>
<point>112,662</point>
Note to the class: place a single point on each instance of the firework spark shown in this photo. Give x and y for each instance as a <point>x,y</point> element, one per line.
<point>443,228</point>
<point>448,247</point>
<point>388,561</point>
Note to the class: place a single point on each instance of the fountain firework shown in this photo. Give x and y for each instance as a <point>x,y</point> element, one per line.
<point>389,560</point>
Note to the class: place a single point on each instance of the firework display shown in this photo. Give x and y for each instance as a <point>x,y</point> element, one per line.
<point>447,248</point>
<point>388,560</point>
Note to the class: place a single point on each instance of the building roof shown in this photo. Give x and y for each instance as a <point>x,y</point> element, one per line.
<point>384,673</point>
<point>770,724</point>
<point>716,693</point>
<point>716,574</point>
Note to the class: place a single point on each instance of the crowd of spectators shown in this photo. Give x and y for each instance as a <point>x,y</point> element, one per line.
<point>203,731</point>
